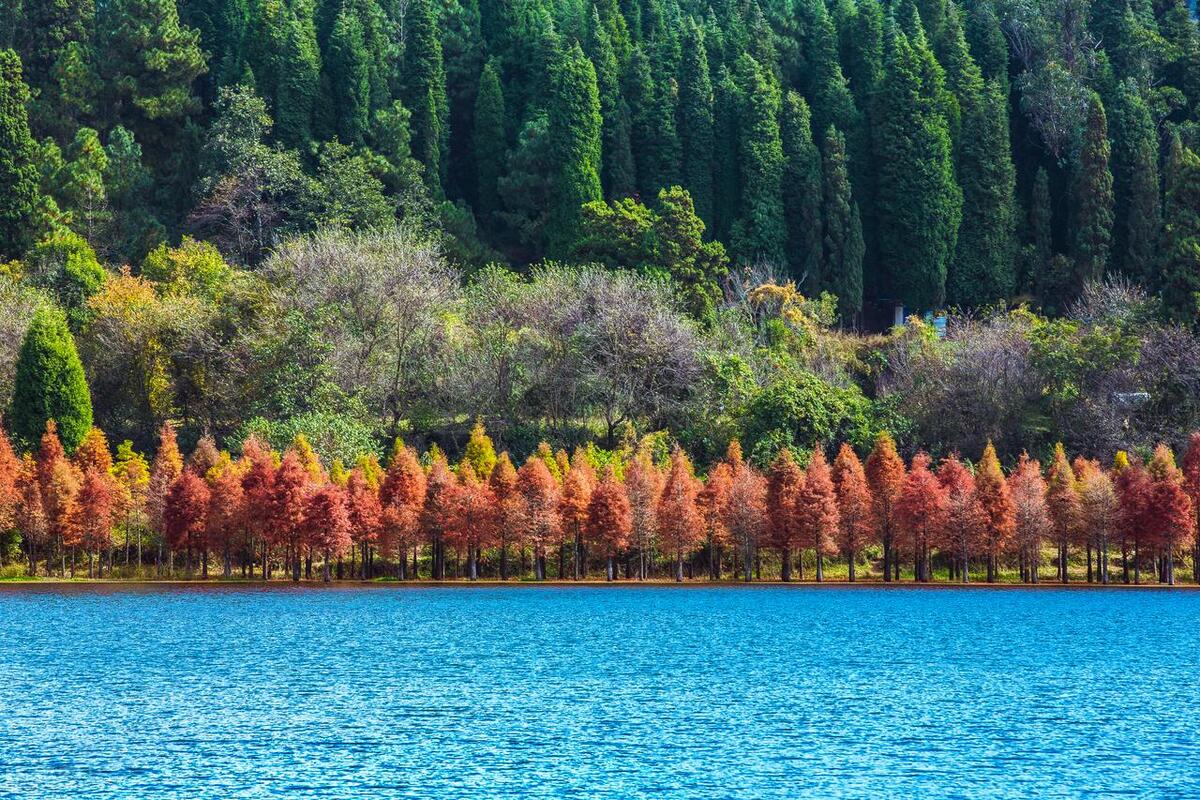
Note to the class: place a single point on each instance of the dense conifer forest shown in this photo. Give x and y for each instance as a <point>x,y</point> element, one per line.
<point>628,227</point>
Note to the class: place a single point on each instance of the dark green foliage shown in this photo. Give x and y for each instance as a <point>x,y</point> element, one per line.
<point>54,37</point>
<point>50,384</point>
<point>575,130</point>
<point>655,143</point>
<point>760,233</point>
<point>349,75</point>
<point>1181,235</point>
<point>987,43</point>
<point>801,412</point>
<point>1137,210</point>
<point>1038,248</point>
<point>525,189</point>
<point>1092,197</point>
<point>65,265</point>
<point>984,265</point>
<point>133,230</point>
<point>617,170</point>
<point>842,242</point>
<point>425,91</point>
<point>802,194</point>
<point>20,197</point>
<point>490,142</point>
<point>919,203</point>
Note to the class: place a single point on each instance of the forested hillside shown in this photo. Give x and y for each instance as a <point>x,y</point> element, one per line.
<point>599,220</point>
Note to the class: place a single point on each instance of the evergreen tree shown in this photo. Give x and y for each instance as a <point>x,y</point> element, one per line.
<point>575,131</point>
<point>696,123</point>
<point>134,230</point>
<point>617,170</point>
<point>425,91</point>
<point>349,75</point>
<point>296,90</point>
<point>655,143</point>
<point>1181,235</point>
<point>51,33</point>
<point>984,266</point>
<point>802,194</point>
<point>986,40</point>
<point>832,102</point>
<point>50,383</point>
<point>490,142</point>
<point>842,243</point>
<point>760,232</point>
<point>463,54</point>
<point>918,202</point>
<point>79,186</point>
<point>1137,210</point>
<point>728,100</point>
<point>1092,197</point>
<point>20,196</point>
<point>148,61</point>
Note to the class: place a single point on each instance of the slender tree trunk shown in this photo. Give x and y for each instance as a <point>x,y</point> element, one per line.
<point>504,560</point>
<point>887,558</point>
<point>472,566</point>
<point>850,565</point>
<point>820,567</point>
<point>1089,563</point>
<point>611,574</point>
<point>679,566</point>
<point>325,566</point>
<point>785,564</point>
<point>1137,562</point>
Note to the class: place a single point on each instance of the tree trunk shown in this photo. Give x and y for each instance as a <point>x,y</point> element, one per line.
<point>504,561</point>
<point>679,566</point>
<point>887,558</point>
<point>820,567</point>
<point>785,568</point>
<point>326,565</point>
<point>611,569</point>
<point>850,565</point>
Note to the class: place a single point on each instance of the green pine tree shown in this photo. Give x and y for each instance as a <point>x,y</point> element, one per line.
<point>617,170</point>
<point>134,230</point>
<point>842,243</point>
<point>1181,235</point>
<point>1039,246</point>
<point>918,201</point>
<point>1137,210</point>
<point>21,200</point>
<point>802,193</point>
<point>760,232</point>
<point>299,75</point>
<point>50,384</point>
<point>490,142</point>
<point>696,122</point>
<point>728,99</point>
<point>575,132</point>
<point>350,76</point>
<point>986,40</point>
<point>984,266</point>
<point>655,142</point>
<point>425,91</point>
<point>1092,197</point>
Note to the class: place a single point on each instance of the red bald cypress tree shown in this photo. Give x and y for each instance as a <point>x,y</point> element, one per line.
<point>471,525</point>
<point>921,513</point>
<point>1134,494</point>
<point>92,516</point>
<point>540,521</point>
<point>854,507</point>
<point>185,512</point>
<point>885,475</point>
<point>643,485</point>
<point>59,481</point>
<point>289,496</point>
<point>609,520</point>
<point>10,472</point>
<point>679,522</point>
<point>258,485</point>
<point>366,515</point>
<point>1170,519</point>
<point>818,509</point>
<point>999,516</point>
<point>507,508</point>
<point>712,501</point>
<point>577,488</point>
<point>1062,501</point>
<point>226,509</point>
<point>746,510</point>
<point>1097,510</point>
<point>963,530</point>
<point>1033,524</point>
<point>30,515</point>
<point>1191,485</point>
<point>784,481</point>
<point>327,524</point>
<point>437,517</point>
<point>402,497</point>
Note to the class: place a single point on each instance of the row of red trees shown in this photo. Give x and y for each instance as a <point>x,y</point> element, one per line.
<point>264,510</point>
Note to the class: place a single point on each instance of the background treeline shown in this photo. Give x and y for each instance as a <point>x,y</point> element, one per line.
<point>637,509</point>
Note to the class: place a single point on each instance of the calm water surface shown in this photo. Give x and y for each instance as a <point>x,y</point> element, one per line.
<point>592,692</point>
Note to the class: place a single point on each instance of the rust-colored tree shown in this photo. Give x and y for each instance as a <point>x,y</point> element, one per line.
<point>712,500</point>
<point>10,473</point>
<point>366,513</point>
<point>59,481</point>
<point>402,497</point>
<point>609,520</point>
<point>1097,511</point>
<point>289,496</point>
<point>92,516</point>
<point>784,481</point>
<point>507,508</point>
<point>963,531</point>
<point>258,487</point>
<point>185,513</point>
<point>164,470</point>
<point>854,507</point>
<point>437,516</point>
<point>327,524</point>
<point>643,484</point>
<point>921,513</point>
<point>885,475</point>
<point>1062,501</point>
<point>93,454</point>
<point>1134,495</point>
<point>999,516</point>
<point>30,515</point>
<point>226,520</point>
<point>540,522</point>
<point>1170,520</point>
<point>471,522</point>
<point>1033,523</point>
<point>577,489</point>
<point>680,525</point>
<point>818,511</point>
<point>1191,484</point>
<point>745,513</point>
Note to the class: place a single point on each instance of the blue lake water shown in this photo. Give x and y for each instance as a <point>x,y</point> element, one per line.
<point>654,692</point>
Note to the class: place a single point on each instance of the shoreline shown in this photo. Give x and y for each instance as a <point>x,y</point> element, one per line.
<point>173,583</point>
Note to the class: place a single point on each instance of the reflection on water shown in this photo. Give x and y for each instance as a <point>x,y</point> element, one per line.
<point>655,692</point>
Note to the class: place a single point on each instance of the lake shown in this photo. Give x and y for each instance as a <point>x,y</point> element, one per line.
<point>610,692</point>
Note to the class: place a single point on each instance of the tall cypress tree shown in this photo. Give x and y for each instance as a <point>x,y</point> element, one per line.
<point>984,269</point>
<point>1092,197</point>
<point>727,184</point>
<point>298,77</point>
<point>655,143</point>
<point>802,193</point>
<point>50,383</point>
<point>1039,248</point>
<point>696,123</point>
<point>1181,235</point>
<point>1137,210</point>
<point>760,233</point>
<point>349,75</point>
<point>50,33</point>
<point>463,54</point>
<point>842,245</point>
<point>490,141</point>
<point>20,197</point>
<point>575,130</point>
<point>425,91</point>
<point>918,202</point>
<point>986,40</point>
<point>617,171</point>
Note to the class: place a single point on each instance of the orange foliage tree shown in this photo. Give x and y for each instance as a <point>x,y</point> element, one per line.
<point>679,517</point>
<point>92,516</point>
<point>437,517</point>
<point>366,513</point>
<point>999,516</point>
<point>885,475</point>
<point>1097,511</point>
<point>1170,518</point>
<point>854,507</point>
<point>507,508</point>
<point>1062,501</point>
<point>184,513</point>
<point>609,521</point>
<point>540,521</point>
<point>712,500</point>
<point>963,530</point>
<point>643,484</point>
<point>784,481</point>
<point>921,512</point>
<point>818,510</point>
<point>289,495</point>
<point>1191,484</point>
<point>746,510</point>
<point>402,498</point>
<point>1033,524</point>
<point>258,487</point>
<point>577,488</point>
<point>327,524</point>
